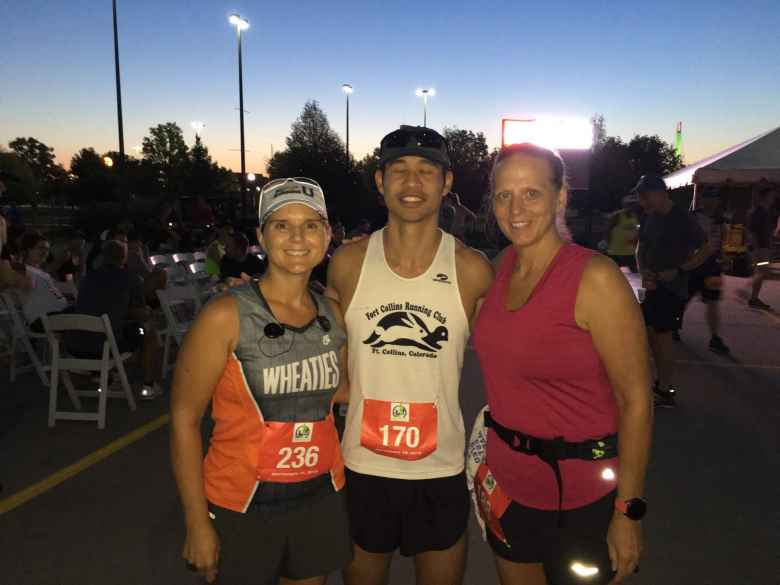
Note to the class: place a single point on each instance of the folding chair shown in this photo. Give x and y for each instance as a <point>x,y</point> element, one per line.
<point>257,251</point>
<point>63,363</point>
<point>176,273</point>
<point>164,259</point>
<point>199,256</point>
<point>183,257</point>
<point>21,334</point>
<point>196,271</point>
<point>174,303</point>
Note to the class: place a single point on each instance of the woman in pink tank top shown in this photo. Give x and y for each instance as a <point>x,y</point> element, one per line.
<point>563,351</point>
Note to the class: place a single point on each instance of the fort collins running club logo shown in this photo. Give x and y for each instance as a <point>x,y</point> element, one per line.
<point>405,328</point>
<point>399,412</point>
<point>302,433</point>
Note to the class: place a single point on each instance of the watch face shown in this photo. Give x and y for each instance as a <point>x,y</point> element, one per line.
<point>636,508</point>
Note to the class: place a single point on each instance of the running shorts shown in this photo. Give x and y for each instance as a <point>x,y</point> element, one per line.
<point>540,536</point>
<point>662,310</point>
<point>415,515</point>
<point>307,541</point>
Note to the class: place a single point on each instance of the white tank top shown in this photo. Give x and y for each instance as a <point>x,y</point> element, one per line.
<point>392,361</point>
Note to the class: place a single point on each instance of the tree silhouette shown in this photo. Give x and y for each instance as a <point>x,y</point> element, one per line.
<point>166,150</point>
<point>17,176</point>
<point>471,162</point>
<point>616,166</point>
<point>202,175</point>
<point>314,150</point>
<point>94,181</point>
<point>49,175</point>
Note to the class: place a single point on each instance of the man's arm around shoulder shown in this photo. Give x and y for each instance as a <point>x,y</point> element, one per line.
<point>344,271</point>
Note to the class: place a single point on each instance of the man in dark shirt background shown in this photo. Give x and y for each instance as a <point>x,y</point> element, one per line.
<point>115,291</point>
<point>670,244</point>
<point>761,227</point>
<point>236,261</point>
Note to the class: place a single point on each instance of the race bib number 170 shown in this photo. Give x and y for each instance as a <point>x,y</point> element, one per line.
<point>402,430</point>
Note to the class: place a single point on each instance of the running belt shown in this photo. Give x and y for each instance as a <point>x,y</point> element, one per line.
<point>551,451</point>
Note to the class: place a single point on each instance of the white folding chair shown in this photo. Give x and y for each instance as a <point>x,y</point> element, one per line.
<point>175,302</point>
<point>199,256</point>
<point>196,272</point>
<point>176,273</point>
<point>63,363</point>
<point>164,259</point>
<point>22,334</point>
<point>184,257</point>
<point>257,251</point>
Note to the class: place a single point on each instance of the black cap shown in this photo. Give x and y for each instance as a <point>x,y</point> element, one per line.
<point>649,183</point>
<point>415,141</point>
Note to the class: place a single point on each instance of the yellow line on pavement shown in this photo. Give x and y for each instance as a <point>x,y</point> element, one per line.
<point>27,494</point>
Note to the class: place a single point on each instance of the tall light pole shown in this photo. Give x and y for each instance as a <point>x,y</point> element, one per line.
<point>347,89</point>
<point>425,93</point>
<point>198,126</point>
<point>241,24</point>
<point>121,166</point>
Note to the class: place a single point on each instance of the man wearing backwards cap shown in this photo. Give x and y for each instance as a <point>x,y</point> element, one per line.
<point>266,505</point>
<point>670,244</point>
<point>409,292</point>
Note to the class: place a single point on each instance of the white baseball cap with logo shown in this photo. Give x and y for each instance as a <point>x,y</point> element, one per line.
<point>279,192</point>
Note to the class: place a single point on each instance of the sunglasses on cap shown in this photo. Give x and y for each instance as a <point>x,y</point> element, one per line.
<point>419,138</point>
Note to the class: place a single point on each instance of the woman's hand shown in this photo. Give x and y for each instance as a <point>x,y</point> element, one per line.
<point>624,540</point>
<point>201,550</point>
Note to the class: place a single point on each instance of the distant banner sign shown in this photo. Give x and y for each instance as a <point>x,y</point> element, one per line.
<point>572,138</point>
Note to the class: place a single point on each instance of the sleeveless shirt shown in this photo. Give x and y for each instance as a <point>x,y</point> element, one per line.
<point>543,377</point>
<point>406,343</point>
<point>291,378</point>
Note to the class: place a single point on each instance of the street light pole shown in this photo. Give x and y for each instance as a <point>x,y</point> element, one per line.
<point>241,24</point>
<point>425,94</point>
<point>121,166</point>
<point>347,89</point>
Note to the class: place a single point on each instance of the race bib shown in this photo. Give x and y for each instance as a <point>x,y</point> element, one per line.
<point>297,451</point>
<point>403,430</point>
<point>492,501</point>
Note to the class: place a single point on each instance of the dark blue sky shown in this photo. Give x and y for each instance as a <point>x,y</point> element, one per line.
<point>713,65</point>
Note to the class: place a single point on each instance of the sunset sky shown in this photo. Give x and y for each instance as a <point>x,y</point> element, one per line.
<point>644,66</point>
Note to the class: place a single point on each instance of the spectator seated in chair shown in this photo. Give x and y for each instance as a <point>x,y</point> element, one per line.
<point>154,278</point>
<point>236,260</point>
<point>43,296</point>
<point>115,291</point>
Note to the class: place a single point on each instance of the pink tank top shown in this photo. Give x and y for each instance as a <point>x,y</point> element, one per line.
<point>544,378</point>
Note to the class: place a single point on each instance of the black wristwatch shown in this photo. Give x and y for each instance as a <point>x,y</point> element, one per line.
<point>634,509</point>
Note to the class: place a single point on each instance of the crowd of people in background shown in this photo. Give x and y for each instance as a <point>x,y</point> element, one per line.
<point>542,291</point>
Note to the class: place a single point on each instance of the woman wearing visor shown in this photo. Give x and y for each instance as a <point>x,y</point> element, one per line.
<point>266,506</point>
<point>563,351</point>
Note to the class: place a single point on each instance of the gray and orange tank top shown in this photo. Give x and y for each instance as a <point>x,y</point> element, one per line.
<point>406,343</point>
<point>290,378</point>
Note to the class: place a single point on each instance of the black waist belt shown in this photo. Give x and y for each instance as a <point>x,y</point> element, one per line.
<point>551,451</point>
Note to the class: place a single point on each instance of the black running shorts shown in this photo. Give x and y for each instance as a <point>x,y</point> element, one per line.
<point>705,280</point>
<point>415,515</point>
<point>309,541</point>
<point>579,543</point>
<point>662,310</point>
